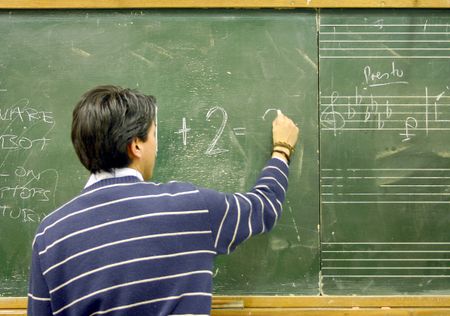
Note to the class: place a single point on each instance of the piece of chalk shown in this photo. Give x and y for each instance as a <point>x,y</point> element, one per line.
<point>278,112</point>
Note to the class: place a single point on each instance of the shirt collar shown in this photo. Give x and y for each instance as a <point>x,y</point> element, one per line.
<point>115,173</point>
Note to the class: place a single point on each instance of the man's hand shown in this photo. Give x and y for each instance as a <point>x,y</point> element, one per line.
<point>285,135</point>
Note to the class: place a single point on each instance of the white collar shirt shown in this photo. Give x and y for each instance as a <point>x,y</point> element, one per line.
<point>115,173</point>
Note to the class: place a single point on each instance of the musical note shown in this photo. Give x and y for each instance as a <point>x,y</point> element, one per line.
<point>410,123</point>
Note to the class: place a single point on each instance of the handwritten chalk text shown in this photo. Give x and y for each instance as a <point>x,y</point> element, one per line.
<point>25,215</point>
<point>14,142</point>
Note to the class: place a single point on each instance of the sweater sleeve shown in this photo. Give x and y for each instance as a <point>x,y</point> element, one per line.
<point>38,294</point>
<point>236,217</point>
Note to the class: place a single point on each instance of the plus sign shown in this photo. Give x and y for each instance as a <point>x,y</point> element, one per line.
<point>184,130</point>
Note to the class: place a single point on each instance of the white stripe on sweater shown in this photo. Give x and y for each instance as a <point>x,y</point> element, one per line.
<point>150,302</point>
<point>79,196</point>
<point>123,220</point>
<point>270,202</point>
<point>272,178</point>
<point>36,298</point>
<point>121,263</point>
<point>221,223</point>
<point>250,228</point>
<point>280,204</point>
<point>276,168</point>
<point>117,286</point>
<point>111,203</point>
<point>238,221</point>
<point>262,211</point>
<point>262,186</point>
<point>122,241</point>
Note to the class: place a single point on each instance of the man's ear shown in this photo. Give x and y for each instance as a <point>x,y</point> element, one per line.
<point>134,149</point>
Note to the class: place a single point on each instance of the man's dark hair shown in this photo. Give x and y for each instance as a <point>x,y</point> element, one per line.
<point>105,121</point>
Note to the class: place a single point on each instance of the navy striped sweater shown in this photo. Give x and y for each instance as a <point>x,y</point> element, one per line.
<point>127,247</point>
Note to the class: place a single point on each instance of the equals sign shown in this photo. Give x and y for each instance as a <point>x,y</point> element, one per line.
<point>239,131</point>
<point>4,175</point>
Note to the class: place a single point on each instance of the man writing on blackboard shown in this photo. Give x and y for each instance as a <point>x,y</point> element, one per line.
<point>124,246</point>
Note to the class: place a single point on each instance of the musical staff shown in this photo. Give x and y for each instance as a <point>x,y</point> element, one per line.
<point>343,260</point>
<point>384,165</point>
<point>377,40</point>
<point>385,186</point>
<point>406,115</point>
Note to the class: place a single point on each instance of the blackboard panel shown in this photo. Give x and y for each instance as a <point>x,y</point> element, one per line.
<point>382,118</point>
<point>234,65</point>
<point>385,169</point>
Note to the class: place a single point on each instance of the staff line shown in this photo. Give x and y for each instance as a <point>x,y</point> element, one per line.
<point>385,259</point>
<point>387,243</point>
<point>344,113</point>
<point>415,185</point>
<point>384,25</point>
<point>390,169</point>
<point>385,120</point>
<point>386,268</point>
<point>379,48</point>
<point>384,96</point>
<point>383,104</point>
<point>386,194</point>
<point>383,33</point>
<point>397,177</point>
<point>384,41</point>
<point>383,129</point>
<point>383,57</point>
<point>386,276</point>
<point>385,251</point>
<point>378,112</point>
<point>385,202</point>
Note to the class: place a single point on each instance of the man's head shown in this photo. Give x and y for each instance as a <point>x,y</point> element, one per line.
<point>111,128</point>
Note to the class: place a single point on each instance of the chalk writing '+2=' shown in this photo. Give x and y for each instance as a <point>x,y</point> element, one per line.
<point>212,148</point>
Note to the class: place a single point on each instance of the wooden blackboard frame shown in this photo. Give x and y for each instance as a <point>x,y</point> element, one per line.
<point>306,305</point>
<point>122,4</point>
<point>266,305</point>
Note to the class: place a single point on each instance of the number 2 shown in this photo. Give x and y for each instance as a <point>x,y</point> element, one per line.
<point>212,150</point>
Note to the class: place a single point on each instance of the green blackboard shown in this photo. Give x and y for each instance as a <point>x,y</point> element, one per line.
<point>367,207</point>
<point>216,75</point>
<point>384,152</point>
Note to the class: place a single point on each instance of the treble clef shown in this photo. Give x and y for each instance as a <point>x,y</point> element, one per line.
<point>331,119</point>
